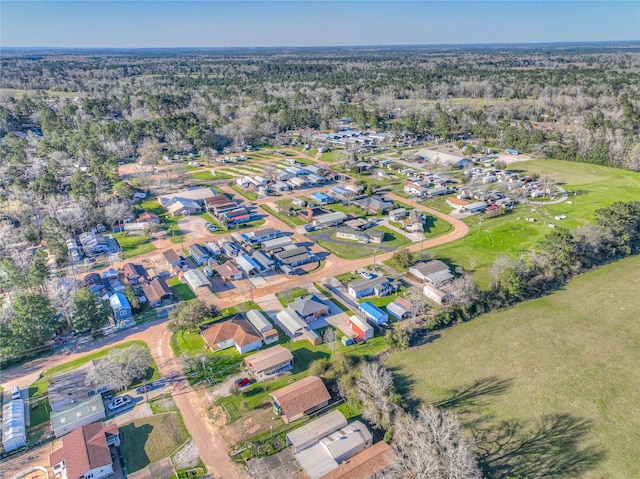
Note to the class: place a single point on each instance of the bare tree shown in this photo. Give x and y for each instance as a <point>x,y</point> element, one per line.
<point>467,292</point>
<point>62,294</point>
<point>121,367</point>
<point>117,212</point>
<point>431,445</point>
<point>377,394</point>
<point>330,338</point>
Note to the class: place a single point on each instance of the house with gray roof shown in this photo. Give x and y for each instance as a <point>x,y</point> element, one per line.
<point>434,272</point>
<point>309,308</point>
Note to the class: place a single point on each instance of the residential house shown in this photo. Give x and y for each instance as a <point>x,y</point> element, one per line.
<point>269,362</point>
<point>317,180</point>
<point>182,207</point>
<point>321,198</point>
<point>309,308</point>
<point>281,186</point>
<point>357,189</point>
<point>456,203</point>
<point>340,193</point>
<point>247,265</point>
<point>373,314</point>
<point>265,234</point>
<point>415,190</point>
<point>289,259</point>
<point>265,261</point>
<point>157,292</point>
<point>197,281</point>
<point>437,191</point>
<point>436,295</point>
<point>262,325</point>
<point>310,213</point>
<point>93,282</point>
<point>415,221</point>
<point>94,244</point>
<point>235,331</point>
<point>302,397</point>
<point>363,330</point>
<point>374,204</point>
<point>77,415</point>
<point>199,254</point>
<point>397,214</point>
<point>229,248</point>
<point>148,217</point>
<point>228,272</point>
<point>276,244</point>
<point>14,426</point>
<point>134,273</point>
<point>365,464</point>
<point>236,216</point>
<point>399,308</point>
<point>352,234</point>
<point>434,272</point>
<point>329,219</point>
<point>476,207</point>
<point>380,286</point>
<point>85,453</point>
<point>172,258</point>
<point>376,236</point>
<point>120,306</point>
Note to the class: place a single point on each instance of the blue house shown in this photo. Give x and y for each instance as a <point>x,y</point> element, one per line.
<point>373,314</point>
<point>321,198</point>
<point>121,307</point>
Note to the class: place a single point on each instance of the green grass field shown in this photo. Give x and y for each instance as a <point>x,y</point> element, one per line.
<point>549,387</point>
<point>293,221</point>
<point>134,245</point>
<point>145,441</point>
<point>183,291</point>
<point>351,249</point>
<point>595,187</point>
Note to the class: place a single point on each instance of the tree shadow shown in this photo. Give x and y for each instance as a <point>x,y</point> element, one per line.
<point>404,386</point>
<point>134,439</point>
<point>550,448</point>
<point>475,394</point>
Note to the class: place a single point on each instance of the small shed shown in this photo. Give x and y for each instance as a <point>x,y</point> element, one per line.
<point>361,328</point>
<point>373,314</point>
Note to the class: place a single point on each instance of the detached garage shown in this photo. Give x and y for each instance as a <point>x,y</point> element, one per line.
<point>361,328</point>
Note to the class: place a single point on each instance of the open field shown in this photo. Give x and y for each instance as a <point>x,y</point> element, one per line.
<point>596,187</point>
<point>134,245</point>
<point>549,387</point>
<point>145,441</point>
<point>182,290</point>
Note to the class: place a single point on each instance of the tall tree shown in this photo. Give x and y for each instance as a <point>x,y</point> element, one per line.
<point>190,314</point>
<point>34,319</point>
<point>90,312</point>
<point>39,271</point>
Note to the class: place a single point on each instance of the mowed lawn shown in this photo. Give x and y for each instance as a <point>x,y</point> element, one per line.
<point>550,387</point>
<point>145,441</point>
<point>595,187</point>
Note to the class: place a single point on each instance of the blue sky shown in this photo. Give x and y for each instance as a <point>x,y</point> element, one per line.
<point>122,24</point>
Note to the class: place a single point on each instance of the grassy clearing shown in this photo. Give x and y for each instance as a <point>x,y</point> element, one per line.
<point>285,297</point>
<point>202,175</point>
<point>162,404</point>
<point>241,192</point>
<point>134,245</point>
<point>40,413</point>
<point>183,291</point>
<point>561,372</point>
<point>392,238</point>
<point>146,314</point>
<point>435,226</point>
<point>382,301</point>
<point>145,441</point>
<point>40,386</point>
<point>293,221</point>
<point>344,250</point>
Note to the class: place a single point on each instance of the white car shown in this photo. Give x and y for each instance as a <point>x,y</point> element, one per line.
<point>15,392</point>
<point>119,402</point>
<point>366,275</point>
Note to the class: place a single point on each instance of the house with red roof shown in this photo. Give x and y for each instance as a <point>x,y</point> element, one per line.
<point>85,453</point>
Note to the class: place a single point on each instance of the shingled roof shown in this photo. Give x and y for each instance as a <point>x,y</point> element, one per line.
<point>301,396</point>
<point>236,327</point>
<point>84,449</point>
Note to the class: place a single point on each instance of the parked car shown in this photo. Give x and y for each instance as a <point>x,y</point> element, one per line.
<point>242,382</point>
<point>150,387</point>
<point>119,402</point>
<point>366,275</point>
<point>15,392</point>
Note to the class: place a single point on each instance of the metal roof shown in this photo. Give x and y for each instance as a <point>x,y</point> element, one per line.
<point>312,432</point>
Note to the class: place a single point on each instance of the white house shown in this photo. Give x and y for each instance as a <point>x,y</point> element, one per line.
<point>235,331</point>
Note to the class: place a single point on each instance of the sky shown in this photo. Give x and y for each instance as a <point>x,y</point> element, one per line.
<point>239,23</point>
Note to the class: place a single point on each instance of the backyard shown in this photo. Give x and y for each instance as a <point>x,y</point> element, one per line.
<point>134,244</point>
<point>549,387</point>
<point>148,440</point>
